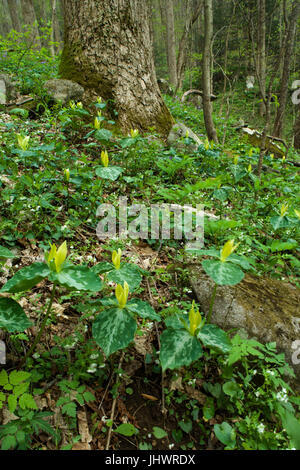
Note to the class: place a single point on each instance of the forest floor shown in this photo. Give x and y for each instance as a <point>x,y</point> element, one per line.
<point>125,400</point>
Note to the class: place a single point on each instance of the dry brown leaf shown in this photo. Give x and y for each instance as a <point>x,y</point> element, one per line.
<point>81,446</point>
<point>83,427</point>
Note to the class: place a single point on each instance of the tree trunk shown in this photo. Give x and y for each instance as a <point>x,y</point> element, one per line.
<point>206,71</point>
<point>288,50</point>
<point>191,18</point>
<point>261,53</point>
<point>171,43</point>
<point>107,49</point>
<point>55,33</point>
<point>29,18</point>
<point>13,11</point>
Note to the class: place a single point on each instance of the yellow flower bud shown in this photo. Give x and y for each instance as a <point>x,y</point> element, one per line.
<point>283,209</point>
<point>61,256</point>
<point>134,133</point>
<point>23,142</point>
<point>67,174</point>
<point>116,258</point>
<point>79,105</point>
<point>195,319</point>
<point>104,158</point>
<point>297,213</point>
<point>283,159</point>
<point>97,124</point>
<point>250,168</point>
<point>272,156</point>
<point>58,256</point>
<point>227,249</point>
<point>122,294</point>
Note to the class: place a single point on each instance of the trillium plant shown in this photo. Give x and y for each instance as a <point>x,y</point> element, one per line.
<point>107,172</point>
<point>119,272</point>
<point>115,327</point>
<point>226,268</point>
<point>57,270</point>
<point>182,341</point>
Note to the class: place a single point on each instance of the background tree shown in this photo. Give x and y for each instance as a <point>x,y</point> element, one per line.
<point>29,19</point>
<point>288,49</point>
<point>206,71</point>
<point>107,49</point>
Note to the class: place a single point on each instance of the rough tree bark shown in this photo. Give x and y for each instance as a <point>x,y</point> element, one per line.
<point>261,52</point>
<point>171,42</point>
<point>13,11</point>
<point>29,18</point>
<point>206,71</point>
<point>107,49</point>
<point>191,17</point>
<point>288,50</point>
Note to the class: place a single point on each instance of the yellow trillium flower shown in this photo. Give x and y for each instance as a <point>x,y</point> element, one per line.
<point>122,294</point>
<point>23,142</point>
<point>250,152</point>
<point>116,258</point>
<point>227,249</point>
<point>104,158</point>
<point>67,174</point>
<point>195,319</point>
<point>297,213</point>
<point>283,159</point>
<point>206,145</point>
<point>283,209</point>
<point>250,168</point>
<point>57,255</point>
<point>97,124</point>
<point>99,100</point>
<point>79,105</point>
<point>272,156</point>
<point>134,133</point>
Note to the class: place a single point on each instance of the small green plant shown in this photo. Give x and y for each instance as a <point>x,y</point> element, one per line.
<point>59,272</point>
<point>181,342</point>
<point>115,327</point>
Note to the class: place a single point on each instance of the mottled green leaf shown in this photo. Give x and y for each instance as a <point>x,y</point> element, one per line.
<point>178,348</point>
<point>26,278</point>
<point>223,273</point>
<point>212,336</point>
<point>12,316</point>
<point>114,329</point>
<point>111,173</point>
<point>128,273</point>
<point>78,278</point>
<point>142,309</point>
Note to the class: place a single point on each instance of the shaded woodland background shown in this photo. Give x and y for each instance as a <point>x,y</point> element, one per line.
<point>258,38</point>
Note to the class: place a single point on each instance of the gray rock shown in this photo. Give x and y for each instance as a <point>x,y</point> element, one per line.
<point>64,90</point>
<point>2,92</point>
<point>8,90</point>
<point>268,310</point>
<point>178,133</point>
<point>164,87</point>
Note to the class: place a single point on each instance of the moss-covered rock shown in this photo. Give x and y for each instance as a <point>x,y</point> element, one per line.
<point>64,90</point>
<point>268,309</point>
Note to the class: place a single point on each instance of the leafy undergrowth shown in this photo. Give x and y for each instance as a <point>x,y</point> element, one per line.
<point>105,346</point>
